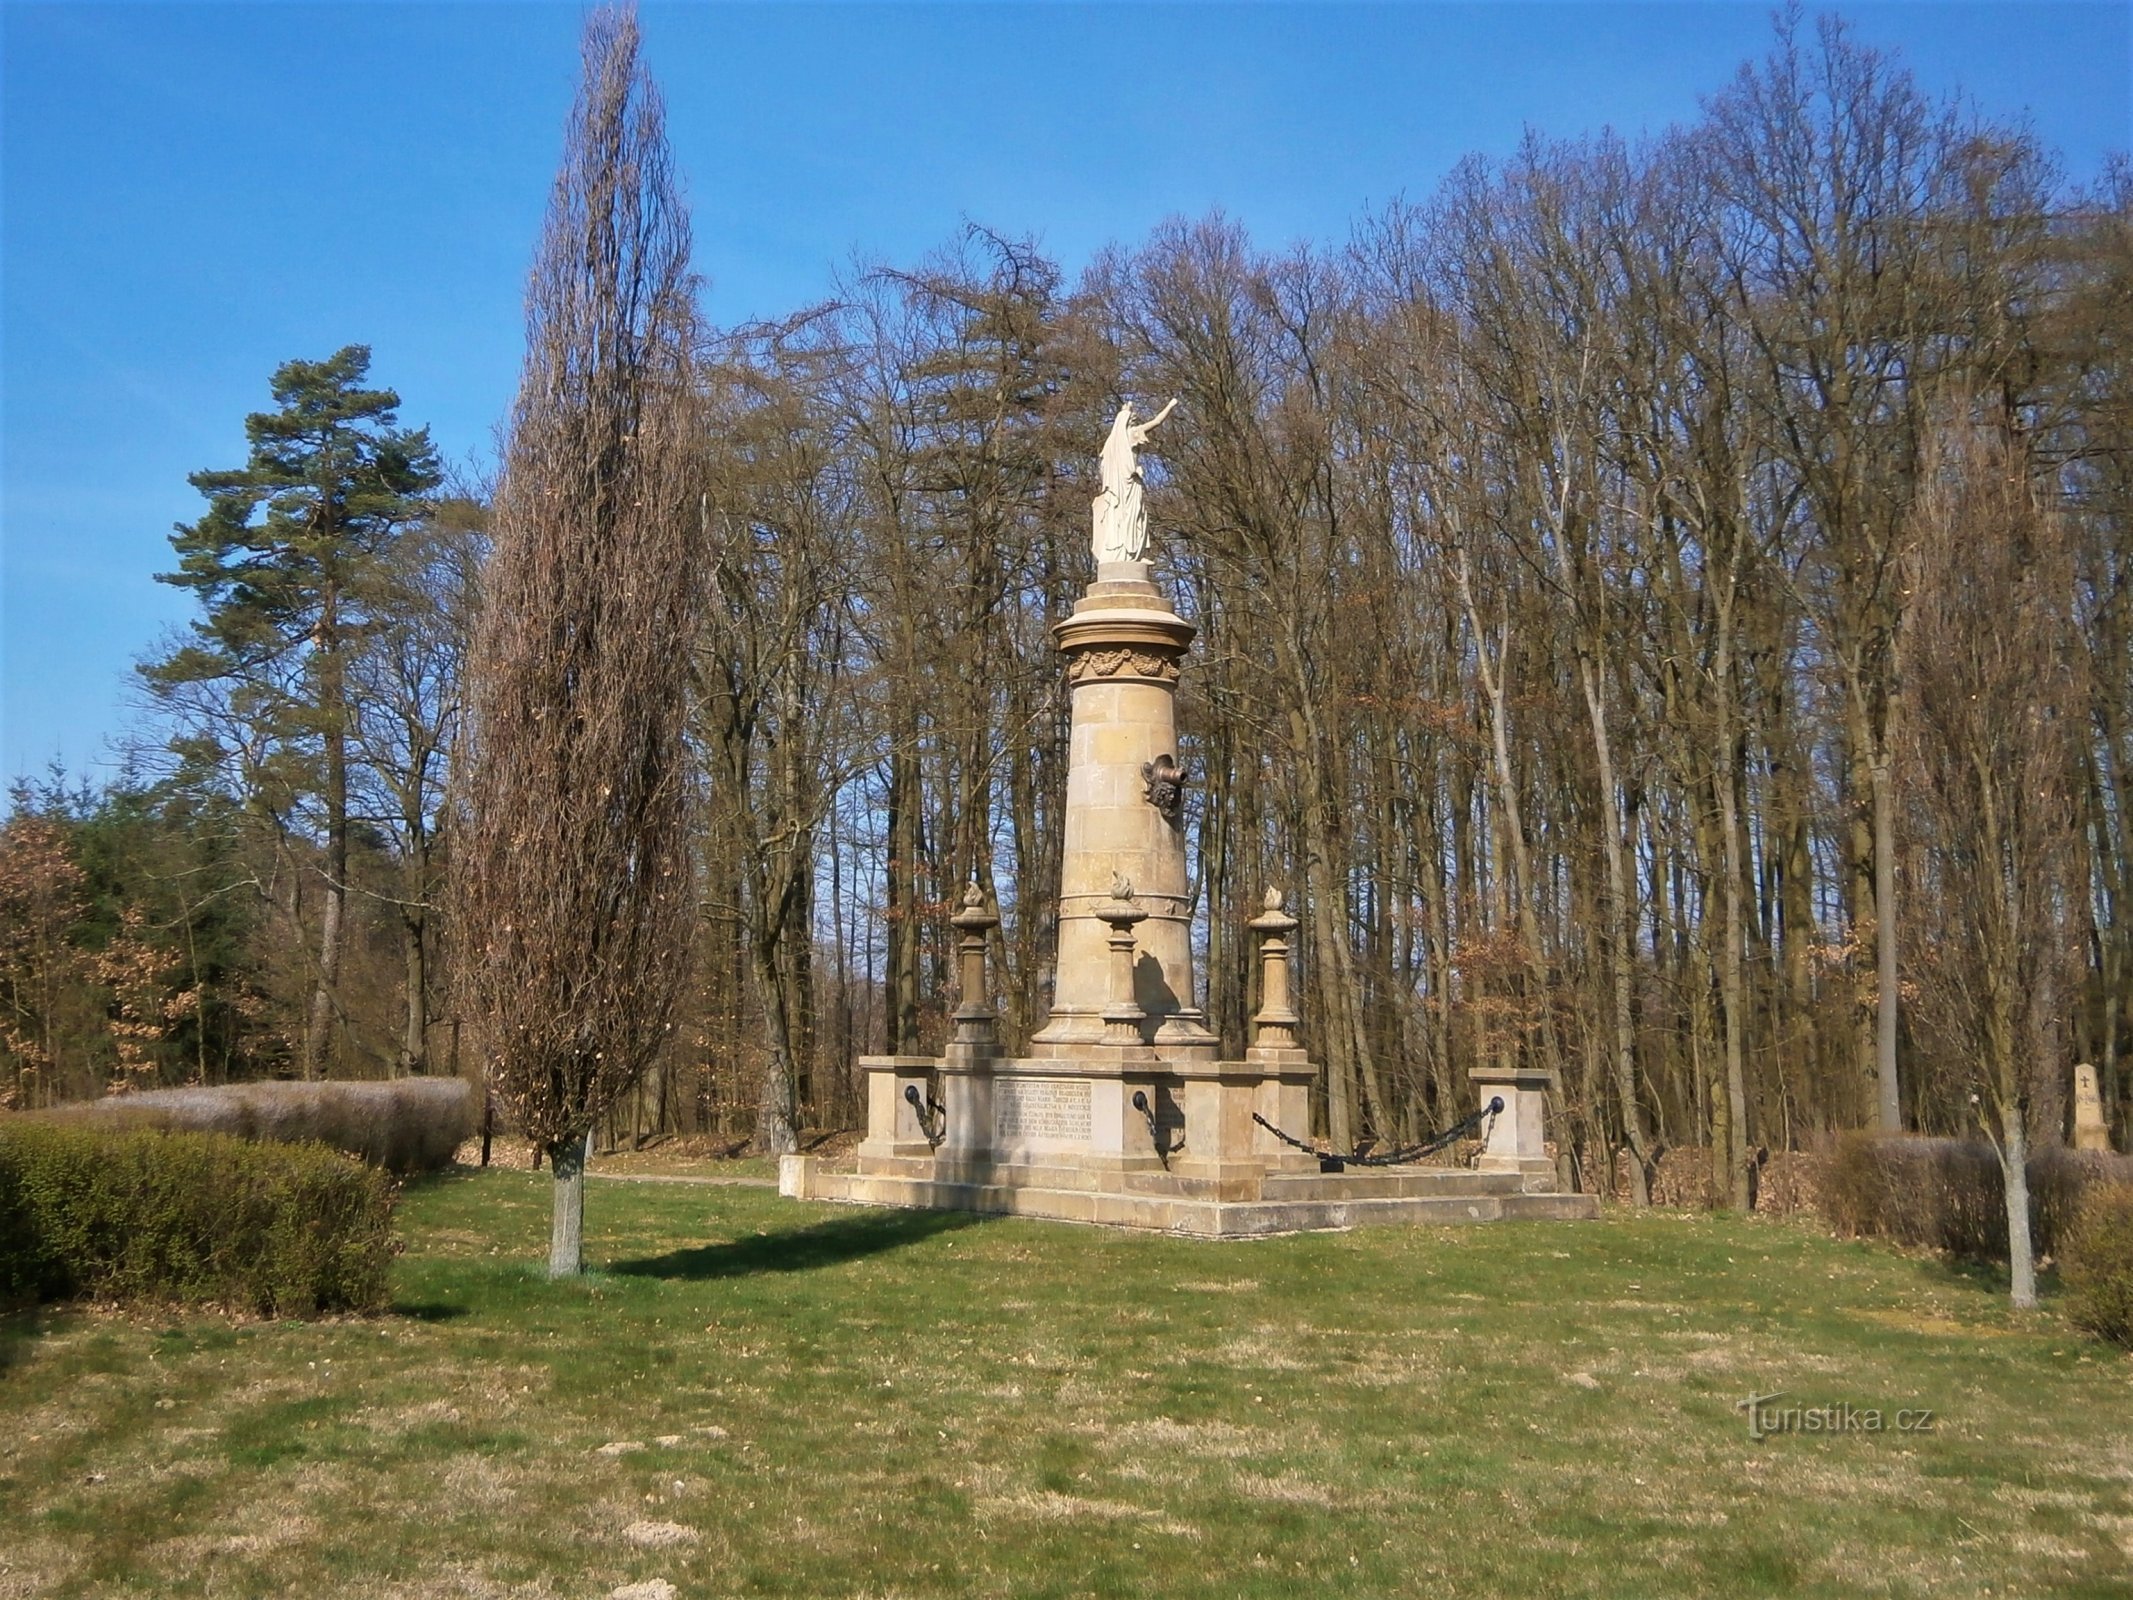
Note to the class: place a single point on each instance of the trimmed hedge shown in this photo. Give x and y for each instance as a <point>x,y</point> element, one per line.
<point>2098,1264</point>
<point>192,1218</point>
<point>404,1124</point>
<point>1947,1194</point>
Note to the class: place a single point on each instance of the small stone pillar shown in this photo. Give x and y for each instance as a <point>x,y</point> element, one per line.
<point>1274,1023</point>
<point>974,1018</point>
<point>1278,1086</point>
<point>966,1070</point>
<point>2091,1132</point>
<point>1122,1012</point>
<point>1517,1139</point>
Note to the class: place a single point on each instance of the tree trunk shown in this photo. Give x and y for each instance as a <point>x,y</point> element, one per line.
<point>1890,1101</point>
<point>796,977</point>
<point>777,1111</point>
<point>199,987</point>
<point>1622,1055</point>
<point>2014,1169</point>
<point>318,1031</point>
<point>566,1233</point>
<point>1732,987</point>
<point>902,975</point>
<point>1324,911</point>
<point>318,1026</point>
<point>1017,945</point>
<point>414,1046</point>
<point>1221,981</point>
<point>2117,871</point>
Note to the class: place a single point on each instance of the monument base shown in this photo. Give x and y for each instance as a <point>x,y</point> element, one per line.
<point>1248,1206</point>
<point>1122,1137</point>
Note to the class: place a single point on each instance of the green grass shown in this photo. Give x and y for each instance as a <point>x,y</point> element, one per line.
<point>825,1401</point>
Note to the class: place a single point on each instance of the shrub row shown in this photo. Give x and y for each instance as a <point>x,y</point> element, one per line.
<point>2098,1264</point>
<point>405,1125</point>
<point>1947,1194</point>
<point>1782,1181</point>
<point>139,1214</point>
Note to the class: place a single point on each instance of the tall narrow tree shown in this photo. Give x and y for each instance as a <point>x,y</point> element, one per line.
<point>1992,674</point>
<point>574,880</point>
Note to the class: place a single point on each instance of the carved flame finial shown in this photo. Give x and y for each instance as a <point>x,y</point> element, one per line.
<point>1276,921</point>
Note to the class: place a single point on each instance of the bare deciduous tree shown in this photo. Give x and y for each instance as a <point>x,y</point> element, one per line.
<point>406,683</point>
<point>1989,713</point>
<point>574,882</point>
<point>771,645</point>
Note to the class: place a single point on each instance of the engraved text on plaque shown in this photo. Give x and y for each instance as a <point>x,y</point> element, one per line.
<point>1026,1109</point>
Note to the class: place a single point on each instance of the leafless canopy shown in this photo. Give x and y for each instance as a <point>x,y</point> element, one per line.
<point>574,877</point>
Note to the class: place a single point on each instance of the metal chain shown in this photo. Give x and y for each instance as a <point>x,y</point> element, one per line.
<point>1394,1158</point>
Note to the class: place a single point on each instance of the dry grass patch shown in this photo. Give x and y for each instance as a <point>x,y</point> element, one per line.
<point>1049,1505</point>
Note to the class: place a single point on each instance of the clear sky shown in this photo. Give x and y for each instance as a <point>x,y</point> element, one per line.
<point>192,194</point>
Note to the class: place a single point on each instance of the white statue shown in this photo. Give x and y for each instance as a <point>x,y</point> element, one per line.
<point>1121,516</point>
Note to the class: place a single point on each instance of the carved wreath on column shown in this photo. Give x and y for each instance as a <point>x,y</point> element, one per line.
<point>1122,662</point>
<point>1164,782</point>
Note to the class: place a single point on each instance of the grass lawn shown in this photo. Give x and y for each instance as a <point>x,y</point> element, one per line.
<point>753,1396</point>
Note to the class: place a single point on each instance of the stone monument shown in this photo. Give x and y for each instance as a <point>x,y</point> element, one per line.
<point>2091,1132</point>
<point>1121,1111</point>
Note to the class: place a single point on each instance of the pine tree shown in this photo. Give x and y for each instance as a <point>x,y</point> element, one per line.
<point>285,565</point>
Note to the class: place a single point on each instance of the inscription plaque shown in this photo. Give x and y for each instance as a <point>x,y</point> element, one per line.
<point>1039,1109</point>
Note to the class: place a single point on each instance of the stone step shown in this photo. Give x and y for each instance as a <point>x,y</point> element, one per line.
<point>1329,1208</point>
<point>1368,1183</point>
<point>1387,1183</point>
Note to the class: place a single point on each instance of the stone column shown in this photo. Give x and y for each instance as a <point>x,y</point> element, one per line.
<point>1274,1023</point>
<point>966,1070</point>
<point>1123,1015</point>
<point>1282,1091</point>
<point>1123,646</point>
<point>974,1018</point>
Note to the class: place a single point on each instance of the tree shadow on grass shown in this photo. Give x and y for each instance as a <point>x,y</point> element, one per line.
<point>819,1244</point>
<point>445,1177</point>
<point>429,1310</point>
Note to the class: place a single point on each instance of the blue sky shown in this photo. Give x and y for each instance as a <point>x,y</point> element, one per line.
<point>192,194</point>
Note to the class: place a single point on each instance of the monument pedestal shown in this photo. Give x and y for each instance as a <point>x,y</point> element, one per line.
<point>1120,1112</point>
<point>1516,1141</point>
